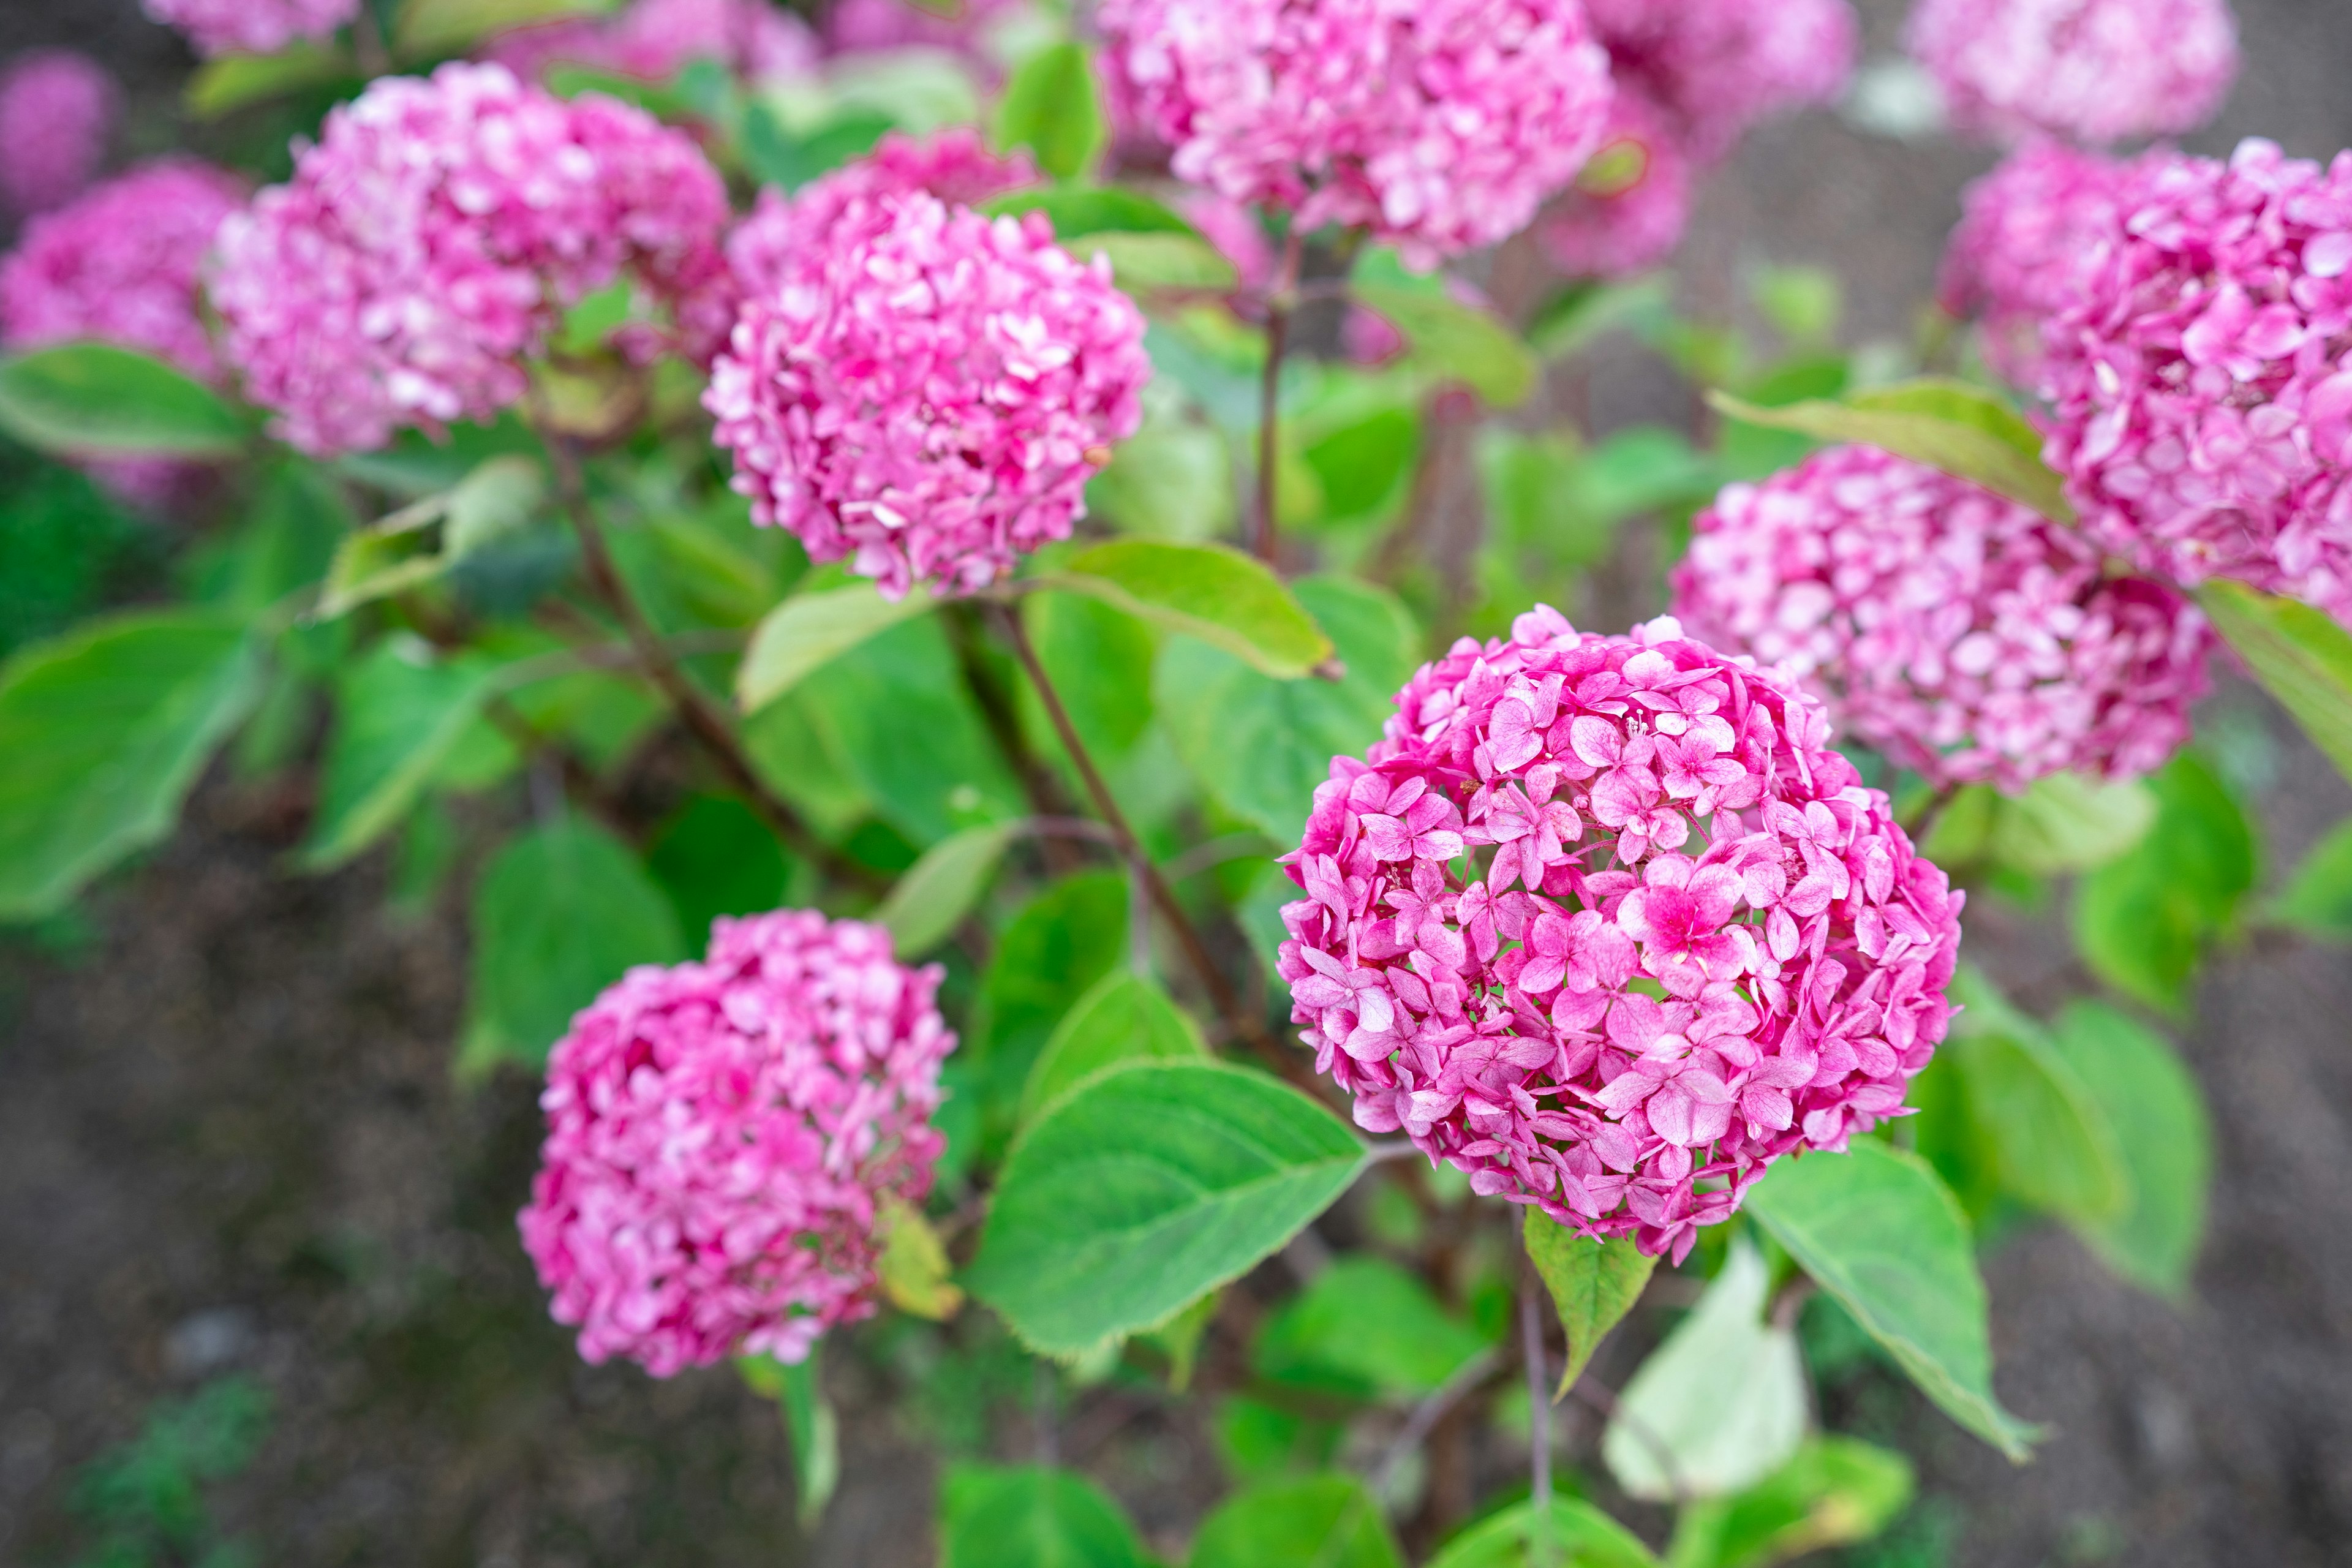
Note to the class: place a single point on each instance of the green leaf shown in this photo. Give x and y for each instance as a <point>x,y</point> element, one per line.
<point>2066,822</point>
<point>777,157</point>
<point>448,27</point>
<point>913,1269</point>
<point>1050,107</point>
<point>1099,660</point>
<point>1362,1329</point>
<point>1578,1535</point>
<point>2299,653</point>
<point>1946,425</point>
<point>809,1423</point>
<point>226,83</point>
<point>98,400</point>
<point>1126,1017</point>
<point>2166,1139</point>
<point>1837,1491</point>
<point>939,889</point>
<point>2318,899</point>
<point>398,716</point>
<point>105,730</point>
<point>1319,1522</point>
<point>560,913</point>
<point>1145,1187</point>
<point>1260,745</point>
<point>1449,340</point>
<point>714,857</point>
<point>401,550</point>
<point>2141,922</point>
<point>1876,1230</point>
<point>810,630</point>
<point>1029,1516</point>
<point>1583,313</point>
<point>1720,1405</point>
<point>1172,480</point>
<point>1210,592</point>
<point>1143,262</point>
<point>2050,1140</point>
<point>1594,1283</point>
<point>1085,210</point>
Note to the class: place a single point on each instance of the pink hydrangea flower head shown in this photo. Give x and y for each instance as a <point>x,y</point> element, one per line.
<point>653,40</point>
<point>1629,207</point>
<point>1960,635</point>
<point>429,244</point>
<point>2097,70</point>
<point>1439,125</point>
<point>1687,940</point>
<point>122,265</point>
<point>57,111</point>
<point>1717,68</point>
<point>252,27</point>
<point>722,1135</point>
<point>928,398</point>
<point>784,233</point>
<point>2199,380</point>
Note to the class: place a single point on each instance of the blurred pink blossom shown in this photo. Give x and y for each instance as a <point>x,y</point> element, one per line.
<point>2097,70</point>
<point>57,113</point>
<point>1714,69</point>
<point>928,394</point>
<point>653,40</point>
<point>723,1135</point>
<point>2032,231</point>
<point>1629,207</point>
<point>1689,941</point>
<point>958,24</point>
<point>252,27</point>
<point>1962,635</point>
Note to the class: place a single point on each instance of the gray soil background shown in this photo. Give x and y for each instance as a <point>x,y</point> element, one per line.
<point>229,1140</point>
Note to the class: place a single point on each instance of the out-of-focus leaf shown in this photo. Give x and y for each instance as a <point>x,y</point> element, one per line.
<point>1319,1522</point>
<point>1364,1328</point>
<point>1720,1405</point>
<point>1143,262</point>
<point>105,730</point>
<point>1029,1516</point>
<point>1088,211</point>
<point>1062,942</point>
<point>99,400</point>
<point>398,715</point>
<point>1447,339</point>
<point>2065,822</point>
<point>913,1267</point>
<point>1583,313</point>
<point>2050,1140</point>
<point>403,551</point>
<point>2318,899</point>
<point>226,83</point>
<point>1578,1535</point>
<point>778,157</point>
<point>1173,480</point>
<point>1594,1283</point>
<point>714,857</point>
<point>2166,1137</point>
<point>1126,1017</point>
<point>1837,1491</point>
<point>810,630</point>
<point>809,1423</point>
<point>939,890</point>
<point>2142,921</point>
<point>1050,107</point>
<point>2299,653</point>
<point>1210,592</point>
<point>448,27</point>
<point>1146,1186</point>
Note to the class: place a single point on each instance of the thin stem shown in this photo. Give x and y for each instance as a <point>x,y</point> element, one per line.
<point>1239,1019</point>
<point>1428,1413</point>
<point>702,717</point>
<point>1539,1541</point>
<point>1281,299</point>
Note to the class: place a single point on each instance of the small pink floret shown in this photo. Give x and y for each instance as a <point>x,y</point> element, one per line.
<point>721,1136</point>
<point>253,26</point>
<point>1688,941</point>
<point>2097,70</point>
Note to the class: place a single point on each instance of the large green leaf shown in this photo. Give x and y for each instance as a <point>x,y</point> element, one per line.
<point>98,400</point>
<point>1364,1328</point>
<point>2299,653</point>
<point>398,716</point>
<point>2051,1139</point>
<point>809,1425</point>
<point>1318,1522</point>
<point>560,913</point>
<point>1087,210</point>
<point>1029,1516</point>
<point>1099,660</point>
<point>2165,1137</point>
<point>1145,1187</point>
<point>2318,898</point>
<point>1210,592</point>
<point>1126,1017</point>
<point>1051,106</point>
<point>226,83</point>
<point>2142,921</point>
<point>1447,339</point>
<point>1720,1405</point>
<point>1836,1491</point>
<point>104,731</point>
<point>1579,1536</point>
<point>1261,745</point>
<point>1877,1230</point>
<point>1594,1283</point>
<point>1948,425</point>
<point>939,890</point>
<point>715,857</point>
<point>446,26</point>
<point>810,630</point>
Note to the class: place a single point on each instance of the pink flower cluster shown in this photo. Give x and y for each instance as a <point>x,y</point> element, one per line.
<point>653,40</point>
<point>721,1136</point>
<point>790,233</point>
<point>57,110</point>
<point>2029,233</point>
<point>429,244</point>
<point>1715,67</point>
<point>1629,207</point>
<point>1962,635</point>
<point>2199,377</point>
<point>927,396</point>
<point>2098,70</point>
<point>1687,943</point>
<point>1440,124</point>
<point>252,27</point>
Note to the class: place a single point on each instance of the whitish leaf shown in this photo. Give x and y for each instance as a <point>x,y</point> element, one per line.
<point>1720,1405</point>
<point>98,400</point>
<point>810,630</point>
<point>1877,1230</point>
<point>1126,1017</point>
<point>1051,106</point>
<point>1319,1522</point>
<point>1837,1491</point>
<point>397,718</point>
<point>1145,1187</point>
<point>1594,1283</point>
<point>2299,653</point>
<point>1030,1516</point>
<point>1575,1535</point>
<point>1207,591</point>
<point>2166,1137</point>
<point>104,731</point>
